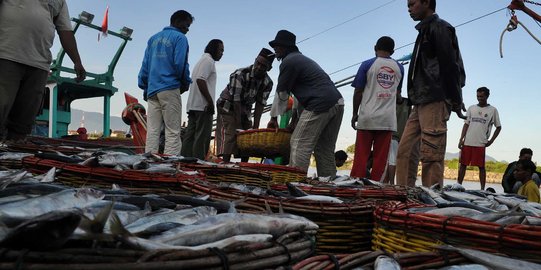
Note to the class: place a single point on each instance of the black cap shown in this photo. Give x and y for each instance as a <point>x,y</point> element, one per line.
<point>284,38</point>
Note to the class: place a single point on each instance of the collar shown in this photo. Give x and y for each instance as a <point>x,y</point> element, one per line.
<point>426,21</point>
<point>207,55</point>
<point>172,28</point>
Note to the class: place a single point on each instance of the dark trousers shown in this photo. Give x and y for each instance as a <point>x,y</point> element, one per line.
<point>21,94</point>
<point>196,140</point>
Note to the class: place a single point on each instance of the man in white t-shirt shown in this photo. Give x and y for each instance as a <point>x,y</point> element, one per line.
<point>475,135</point>
<point>374,108</point>
<point>200,105</point>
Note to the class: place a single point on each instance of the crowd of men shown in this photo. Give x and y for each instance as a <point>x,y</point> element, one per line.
<point>396,132</point>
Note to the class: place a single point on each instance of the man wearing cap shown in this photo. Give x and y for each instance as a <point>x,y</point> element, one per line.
<point>316,129</point>
<point>246,86</point>
<point>374,108</point>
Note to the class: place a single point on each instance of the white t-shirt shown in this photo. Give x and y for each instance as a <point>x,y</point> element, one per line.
<point>27,29</point>
<point>205,70</point>
<point>480,121</point>
<point>380,77</point>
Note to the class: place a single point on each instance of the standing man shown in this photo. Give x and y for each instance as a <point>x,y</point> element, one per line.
<point>246,86</point>
<point>435,80</point>
<point>475,135</point>
<point>27,32</point>
<point>403,110</point>
<point>164,75</point>
<point>316,130</point>
<point>374,108</point>
<point>201,102</point>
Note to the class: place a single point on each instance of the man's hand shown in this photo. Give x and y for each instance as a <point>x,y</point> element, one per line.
<point>458,108</point>
<point>80,72</point>
<point>209,109</point>
<point>460,143</point>
<point>489,143</point>
<point>273,123</point>
<point>354,121</point>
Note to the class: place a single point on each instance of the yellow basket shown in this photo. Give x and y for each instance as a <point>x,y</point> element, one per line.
<point>265,142</point>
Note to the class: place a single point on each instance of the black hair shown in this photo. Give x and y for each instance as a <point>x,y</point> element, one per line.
<point>181,15</point>
<point>432,5</point>
<point>527,165</point>
<point>524,151</point>
<point>340,155</point>
<point>385,43</point>
<point>212,48</point>
<point>484,90</point>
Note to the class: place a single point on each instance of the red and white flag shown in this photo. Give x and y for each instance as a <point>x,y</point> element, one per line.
<point>104,24</point>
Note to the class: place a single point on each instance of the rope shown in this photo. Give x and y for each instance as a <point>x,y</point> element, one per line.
<point>532,2</point>
<point>222,256</point>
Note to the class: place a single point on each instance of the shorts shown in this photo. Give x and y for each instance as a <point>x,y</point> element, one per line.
<point>393,149</point>
<point>473,156</point>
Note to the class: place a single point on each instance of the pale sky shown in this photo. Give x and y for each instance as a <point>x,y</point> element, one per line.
<point>353,28</point>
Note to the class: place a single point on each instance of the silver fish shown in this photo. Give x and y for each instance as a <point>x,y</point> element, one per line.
<point>66,199</point>
<point>185,216</point>
<point>384,262</point>
<point>222,226</point>
<point>454,211</point>
<point>320,198</point>
<point>466,267</point>
<point>494,261</point>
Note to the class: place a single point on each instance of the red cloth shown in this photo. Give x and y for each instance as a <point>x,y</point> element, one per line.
<point>381,140</point>
<point>472,156</point>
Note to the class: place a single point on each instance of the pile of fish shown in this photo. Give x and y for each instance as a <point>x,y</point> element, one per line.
<point>37,214</point>
<point>500,208</point>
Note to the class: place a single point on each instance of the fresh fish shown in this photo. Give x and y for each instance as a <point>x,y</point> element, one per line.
<point>454,211</point>
<point>466,205</point>
<point>353,183</point>
<point>112,159</point>
<point>457,195</point>
<point>510,220</point>
<point>532,221</point>
<point>320,198</point>
<point>222,226</point>
<point>185,216</point>
<point>455,187</point>
<point>295,191</point>
<point>384,262</point>
<point>59,157</point>
<point>425,198</point>
<point>466,267</point>
<point>14,198</point>
<point>49,176</point>
<point>66,199</point>
<point>494,261</point>
<point>140,201</point>
<point>222,207</point>
<point>435,196</point>
<point>278,194</point>
<point>13,155</point>
<point>92,161</point>
<point>158,229</point>
<point>342,179</point>
<point>243,188</point>
<point>118,206</point>
<point>31,189</point>
<point>44,232</point>
<point>368,182</point>
<point>11,177</point>
<point>161,168</point>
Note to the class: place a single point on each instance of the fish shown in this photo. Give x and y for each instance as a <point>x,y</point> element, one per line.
<point>517,219</point>
<point>140,201</point>
<point>59,157</point>
<point>49,176</point>
<point>295,191</point>
<point>14,155</point>
<point>466,205</point>
<point>113,159</point>
<point>184,216</point>
<point>215,228</point>
<point>320,198</point>
<point>31,189</point>
<point>493,261</point>
<point>161,168</point>
<point>48,231</point>
<point>435,196</point>
<point>353,182</point>
<point>157,229</point>
<point>15,212</point>
<point>532,221</point>
<point>11,177</point>
<point>368,182</point>
<point>465,267</point>
<point>384,262</point>
<point>454,211</point>
<point>221,207</point>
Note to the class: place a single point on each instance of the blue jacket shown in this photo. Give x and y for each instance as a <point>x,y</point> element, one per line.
<point>165,59</point>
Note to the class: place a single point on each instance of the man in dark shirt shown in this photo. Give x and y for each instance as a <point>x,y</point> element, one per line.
<point>316,129</point>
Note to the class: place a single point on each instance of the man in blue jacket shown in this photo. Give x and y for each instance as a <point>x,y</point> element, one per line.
<point>164,75</point>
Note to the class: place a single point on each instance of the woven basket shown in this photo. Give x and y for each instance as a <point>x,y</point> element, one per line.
<point>266,142</point>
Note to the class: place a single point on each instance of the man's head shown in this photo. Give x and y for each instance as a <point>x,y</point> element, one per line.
<point>524,170</point>
<point>420,9</point>
<point>283,43</point>
<point>340,158</point>
<point>263,62</point>
<point>482,96</point>
<point>216,49</point>
<point>182,20</point>
<point>385,44</point>
<point>525,153</point>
